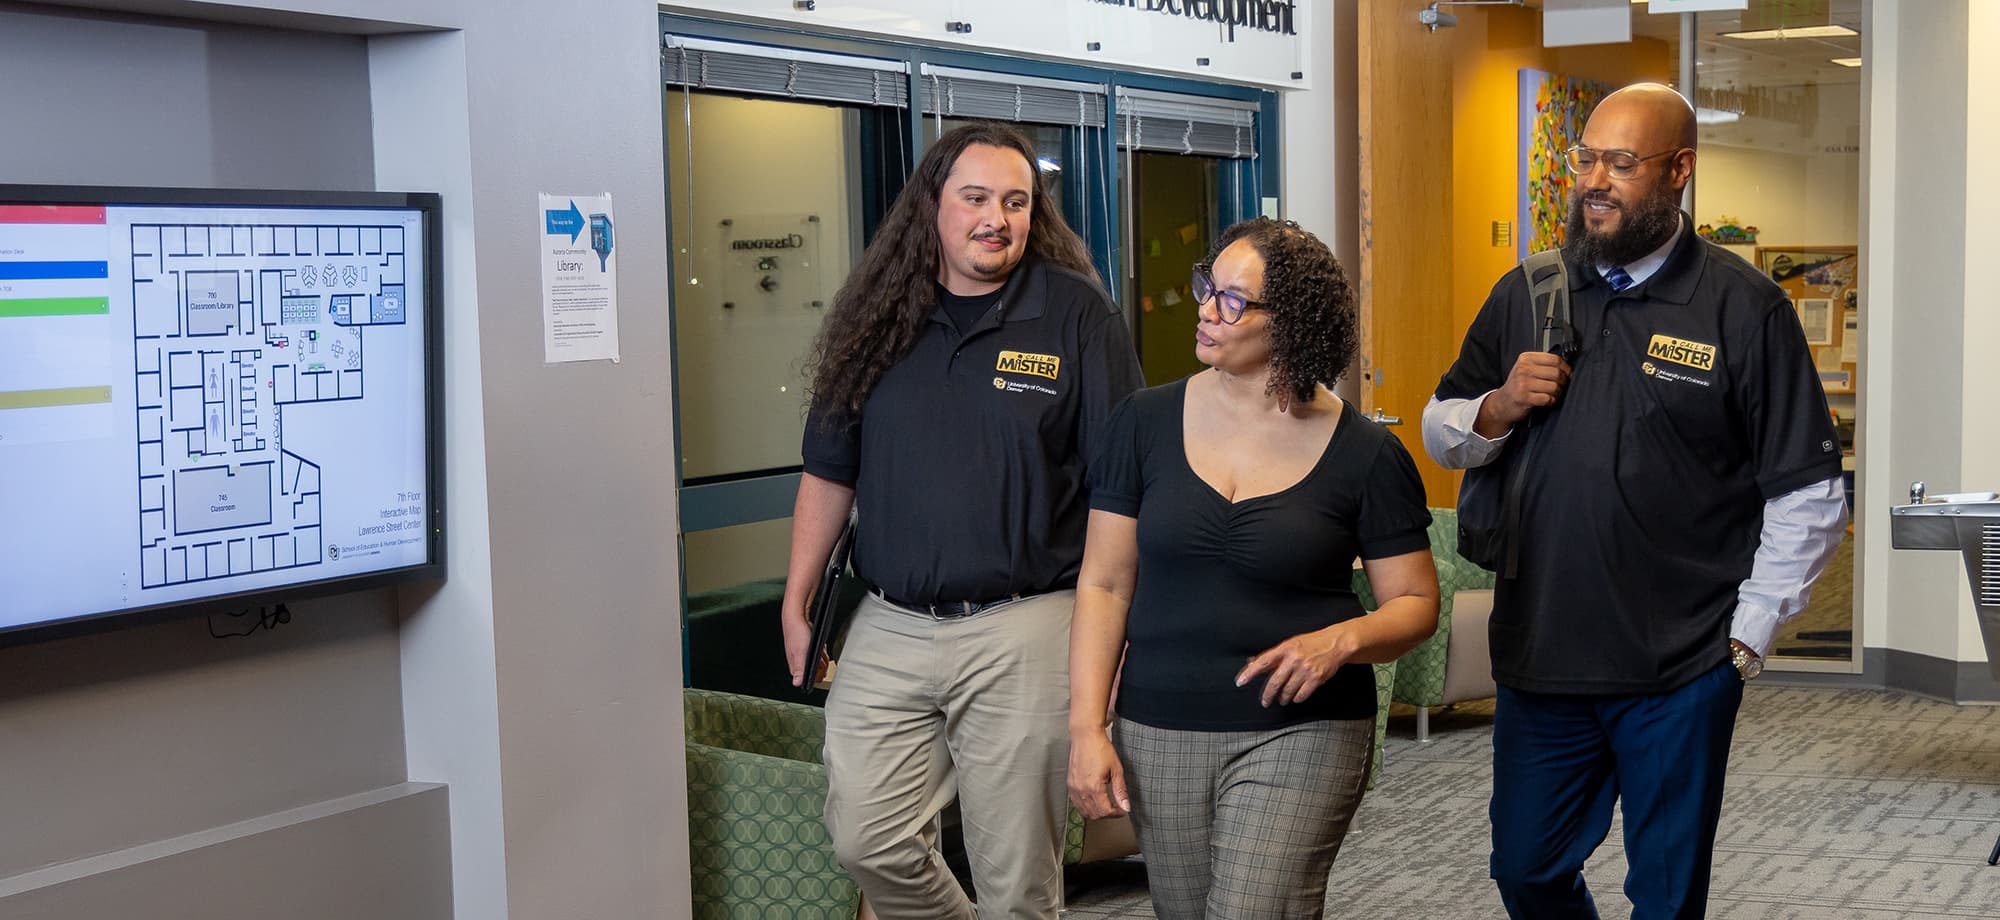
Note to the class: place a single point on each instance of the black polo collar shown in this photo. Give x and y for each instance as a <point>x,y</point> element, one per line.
<point>1021,298</point>
<point>1677,278</point>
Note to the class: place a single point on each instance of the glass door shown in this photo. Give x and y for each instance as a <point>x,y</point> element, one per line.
<point>1176,216</point>
<point>770,202</point>
<point>1190,170</point>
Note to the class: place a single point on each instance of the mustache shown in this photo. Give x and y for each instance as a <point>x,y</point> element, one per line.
<point>1599,198</point>
<point>991,235</point>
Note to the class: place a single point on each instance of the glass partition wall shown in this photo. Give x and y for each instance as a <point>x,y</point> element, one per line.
<point>1777,90</point>
<point>783,153</point>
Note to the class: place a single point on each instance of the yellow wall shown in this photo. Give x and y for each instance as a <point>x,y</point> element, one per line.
<point>1489,50</point>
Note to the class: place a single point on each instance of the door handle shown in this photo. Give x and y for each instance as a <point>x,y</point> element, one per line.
<point>1382,418</point>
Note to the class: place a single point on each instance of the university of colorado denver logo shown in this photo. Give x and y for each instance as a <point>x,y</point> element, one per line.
<point>1020,362</point>
<point>1681,351</point>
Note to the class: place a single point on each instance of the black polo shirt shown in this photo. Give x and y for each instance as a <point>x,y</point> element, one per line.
<point>968,461</point>
<point>1694,400</point>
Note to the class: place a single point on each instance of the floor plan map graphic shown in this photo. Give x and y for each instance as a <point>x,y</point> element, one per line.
<point>236,330</point>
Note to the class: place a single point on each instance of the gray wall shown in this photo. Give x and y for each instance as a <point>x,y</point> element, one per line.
<point>1929,306</point>
<point>136,735</point>
<point>579,470</point>
<point>327,861</point>
<point>578,621</point>
<point>136,102</point>
<point>451,719</point>
<point>121,739</point>
<point>1924,408</point>
<point>1320,180</point>
<point>542,681</point>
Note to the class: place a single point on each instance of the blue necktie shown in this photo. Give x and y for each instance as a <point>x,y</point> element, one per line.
<point>1617,278</point>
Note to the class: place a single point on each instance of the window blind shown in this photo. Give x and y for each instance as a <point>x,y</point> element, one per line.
<point>757,70</point>
<point>1179,123</point>
<point>955,93</point>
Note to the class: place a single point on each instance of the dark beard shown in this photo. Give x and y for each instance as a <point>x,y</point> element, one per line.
<point>1645,226</point>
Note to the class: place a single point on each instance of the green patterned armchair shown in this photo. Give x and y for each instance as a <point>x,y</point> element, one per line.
<point>1454,665</point>
<point>756,806</point>
<point>756,797</point>
<point>1385,685</point>
<point>1085,840</point>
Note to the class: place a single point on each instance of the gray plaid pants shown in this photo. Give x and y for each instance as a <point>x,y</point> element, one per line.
<point>1245,824</point>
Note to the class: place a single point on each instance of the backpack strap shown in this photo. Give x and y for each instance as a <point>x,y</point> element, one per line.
<point>1548,291</point>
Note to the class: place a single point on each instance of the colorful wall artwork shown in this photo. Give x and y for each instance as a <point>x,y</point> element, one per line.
<point>1553,110</point>
<point>1732,232</point>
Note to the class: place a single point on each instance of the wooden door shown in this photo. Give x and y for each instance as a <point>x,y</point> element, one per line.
<point>1408,336</point>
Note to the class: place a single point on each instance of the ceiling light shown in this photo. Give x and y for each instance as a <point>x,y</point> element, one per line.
<point>1800,32</point>
<point>1846,62</point>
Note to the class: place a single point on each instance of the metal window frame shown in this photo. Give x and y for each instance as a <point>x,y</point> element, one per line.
<point>716,504</point>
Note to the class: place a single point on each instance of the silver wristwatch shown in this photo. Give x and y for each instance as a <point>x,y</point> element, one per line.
<point>1748,663</point>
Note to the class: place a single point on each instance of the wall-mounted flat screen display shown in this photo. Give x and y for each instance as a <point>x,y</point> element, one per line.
<point>212,397</point>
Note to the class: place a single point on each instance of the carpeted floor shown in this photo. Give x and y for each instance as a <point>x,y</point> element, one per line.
<point>1842,805</point>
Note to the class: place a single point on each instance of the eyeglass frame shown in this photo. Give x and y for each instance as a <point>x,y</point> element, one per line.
<point>1569,161</point>
<point>1204,277</point>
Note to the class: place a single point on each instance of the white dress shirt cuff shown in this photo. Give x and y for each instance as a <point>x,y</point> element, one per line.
<point>1755,627</point>
<point>1449,435</point>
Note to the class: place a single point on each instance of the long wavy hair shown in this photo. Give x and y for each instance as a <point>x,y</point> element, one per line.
<point>882,307</point>
<point>1315,325</point>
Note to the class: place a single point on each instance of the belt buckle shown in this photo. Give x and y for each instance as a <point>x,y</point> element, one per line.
<point>949,610</point>
<point>955,610</point>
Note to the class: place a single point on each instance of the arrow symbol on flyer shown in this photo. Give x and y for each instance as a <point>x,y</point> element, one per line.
<point>561,222</point>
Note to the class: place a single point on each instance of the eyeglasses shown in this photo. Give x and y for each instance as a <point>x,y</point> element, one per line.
<point>1228,306</point>
<point>1622,164</point>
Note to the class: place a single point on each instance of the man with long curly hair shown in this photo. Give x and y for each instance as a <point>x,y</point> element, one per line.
<point>964,374</point>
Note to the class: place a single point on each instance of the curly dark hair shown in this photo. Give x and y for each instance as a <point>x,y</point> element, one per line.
<point>882,307</point>
<point>1315,325</point>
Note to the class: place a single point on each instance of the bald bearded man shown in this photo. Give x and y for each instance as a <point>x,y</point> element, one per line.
<point>1683,493</point>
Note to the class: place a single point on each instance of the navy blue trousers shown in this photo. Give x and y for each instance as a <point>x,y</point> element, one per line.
<point>1561,762</point>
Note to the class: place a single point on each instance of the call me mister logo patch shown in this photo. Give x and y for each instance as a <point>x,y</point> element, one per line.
<point>1021,362</point>
<point>1666,348</point>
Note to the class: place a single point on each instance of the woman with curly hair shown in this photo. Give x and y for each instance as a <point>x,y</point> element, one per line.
<point>1227,510</point>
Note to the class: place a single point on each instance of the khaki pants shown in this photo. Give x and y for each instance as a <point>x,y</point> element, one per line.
<point>923,709</point>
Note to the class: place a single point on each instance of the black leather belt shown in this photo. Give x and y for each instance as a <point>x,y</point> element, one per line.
<point>947,610</point>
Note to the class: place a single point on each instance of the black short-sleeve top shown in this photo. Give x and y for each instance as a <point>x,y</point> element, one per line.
<point>1220,581</point>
